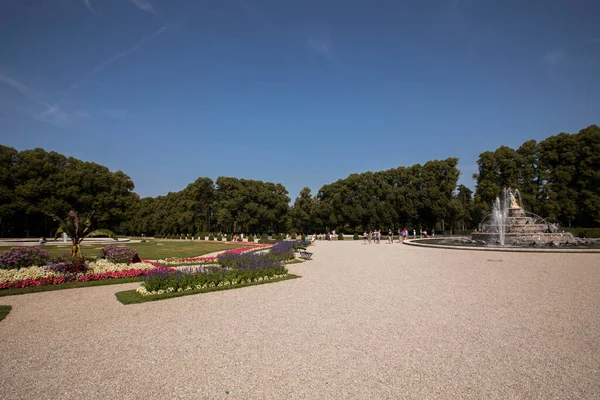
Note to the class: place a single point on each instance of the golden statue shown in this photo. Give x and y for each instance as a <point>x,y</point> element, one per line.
<point>513,201</point>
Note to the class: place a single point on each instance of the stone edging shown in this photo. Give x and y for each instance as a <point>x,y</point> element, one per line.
<point>411,242</point>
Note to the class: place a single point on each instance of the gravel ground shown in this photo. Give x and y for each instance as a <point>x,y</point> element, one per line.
<point>363,322</point>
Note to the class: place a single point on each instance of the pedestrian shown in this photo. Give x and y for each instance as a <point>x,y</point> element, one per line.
<point>390,236</point>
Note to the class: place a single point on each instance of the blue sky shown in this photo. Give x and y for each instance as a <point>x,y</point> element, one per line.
<point>297,92</point>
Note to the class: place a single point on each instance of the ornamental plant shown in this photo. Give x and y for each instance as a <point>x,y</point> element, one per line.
<point>340,237</point>
<point>229,237</point>
<point>211,237</point>
<point>284,250</point>
<point>78,227</point>
<point>19,257</point>
<point>219,237</point>
<point>119,254</point>
<point>264,236</point>
<point>65,264</point>
<point>251,238</point>
<point>355,237</point>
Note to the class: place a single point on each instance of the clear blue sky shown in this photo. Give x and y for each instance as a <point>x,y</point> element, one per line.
<point>297,92</point>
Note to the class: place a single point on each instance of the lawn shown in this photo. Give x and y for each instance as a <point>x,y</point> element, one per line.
<point>149,250</point>
<point>4,310</point>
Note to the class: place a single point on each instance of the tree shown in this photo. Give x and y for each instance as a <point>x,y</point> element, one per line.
<point>78,228</point>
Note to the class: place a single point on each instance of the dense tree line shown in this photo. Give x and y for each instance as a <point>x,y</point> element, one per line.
<point>229,205</point>
<point>559,178</point>
<point>35,182</point>
<point>420,196</point>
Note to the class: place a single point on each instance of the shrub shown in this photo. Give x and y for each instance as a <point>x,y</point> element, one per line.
<point>267,241</point>
<point>279,236</point>
<point>583,232</point>
<point>251,238</point>
<point>355,237</point>
<point>19,257</point>
<point>284,250</point>
<point>303,237</point>
<point>229,237</point>
<point>119,254</point>
<point>340,236</point>
<point>264,236</point>
<point>293,236</point>
<point>165,280</point>
<point>65,264</point>
<point>219,237</point>
<point>211,237</point>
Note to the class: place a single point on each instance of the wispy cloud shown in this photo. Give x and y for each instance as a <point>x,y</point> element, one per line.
<point>51,113</point>
<point>125,53</point>
<point>324,46</point>
<point>88,4</point>
<point>144,5</point>
<point>25,90</point>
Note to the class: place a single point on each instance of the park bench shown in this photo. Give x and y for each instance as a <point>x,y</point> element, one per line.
<point>305,255</point>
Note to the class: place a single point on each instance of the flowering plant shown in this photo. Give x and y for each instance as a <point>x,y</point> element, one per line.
<point>19,257</point>
<point>120,254</point>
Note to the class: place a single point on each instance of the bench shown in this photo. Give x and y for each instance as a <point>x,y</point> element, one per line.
<point>305,254</point>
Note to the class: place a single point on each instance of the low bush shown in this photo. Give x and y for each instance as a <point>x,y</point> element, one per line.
<point>340,236</point>
<point>267,241</point>
<point>264,236</point>
<point>65,264</point>
<point>240,268</point>
<point>19,257</point>
<point>284,250</point>
<point>219,237</point>
<point>119,254</point>
<point>293,236</point>
<point>355,237</point>
<point>583,232</point>
<point>229,237</point>
<point>251,238</point>
<point>211,237</point>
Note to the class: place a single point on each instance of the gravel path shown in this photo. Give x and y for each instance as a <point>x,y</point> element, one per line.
<point>363,322</point>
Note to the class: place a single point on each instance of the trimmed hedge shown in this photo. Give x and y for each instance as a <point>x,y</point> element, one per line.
<point>583,232</point>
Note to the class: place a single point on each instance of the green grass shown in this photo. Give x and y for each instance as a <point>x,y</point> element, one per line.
<point>4,310</point>
<point>68,285</point>
<point>150,250</point>
<point>133,297</point>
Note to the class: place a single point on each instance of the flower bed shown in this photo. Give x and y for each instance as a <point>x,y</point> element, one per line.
<point>237,269</point>
<point>206,259</point>
<point>47,275</point>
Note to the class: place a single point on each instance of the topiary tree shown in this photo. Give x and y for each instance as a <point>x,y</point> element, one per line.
<point>78,228</point>
<point>293,236</point>
<point>355,237</point>
<point>340,237</point>
<point>229,237</point>
<point>264,236</point>
<point>251,238</point>
<point>211,237</point>
<point>219,237</point>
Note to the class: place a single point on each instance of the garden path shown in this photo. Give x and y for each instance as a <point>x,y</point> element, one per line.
<point>364,321</point>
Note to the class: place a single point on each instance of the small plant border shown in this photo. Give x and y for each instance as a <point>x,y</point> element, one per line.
<point>4,310</point>
<point>132,297</point>
<point>67,285</point>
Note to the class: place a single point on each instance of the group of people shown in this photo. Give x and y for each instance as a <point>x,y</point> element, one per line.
<point>375,236</point>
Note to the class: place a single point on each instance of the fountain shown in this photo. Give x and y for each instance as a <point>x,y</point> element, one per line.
<point>510,224</point>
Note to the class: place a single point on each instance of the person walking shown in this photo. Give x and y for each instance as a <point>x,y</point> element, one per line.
<point>390,236</point>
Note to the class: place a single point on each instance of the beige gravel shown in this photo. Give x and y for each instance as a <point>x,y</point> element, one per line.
<point>364,322</point>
